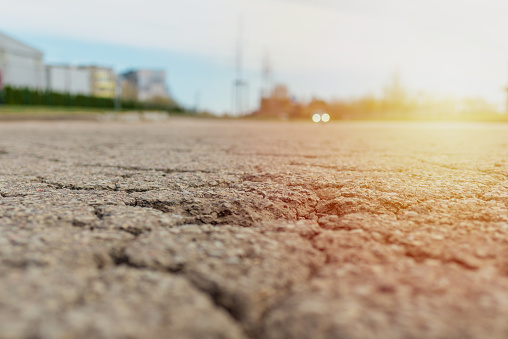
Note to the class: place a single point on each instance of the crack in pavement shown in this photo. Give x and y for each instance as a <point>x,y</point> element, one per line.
<point>151,169</point>
<point>365,246</point>
<point>120,258</point>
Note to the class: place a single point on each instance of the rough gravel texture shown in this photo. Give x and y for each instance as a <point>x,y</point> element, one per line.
<point>237,229</point>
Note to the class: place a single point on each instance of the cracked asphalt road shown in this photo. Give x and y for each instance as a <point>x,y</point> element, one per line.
<point>241,229</point>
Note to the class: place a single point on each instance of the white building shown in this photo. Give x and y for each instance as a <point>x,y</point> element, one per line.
<point>20,64</point>
<point>68,79</point>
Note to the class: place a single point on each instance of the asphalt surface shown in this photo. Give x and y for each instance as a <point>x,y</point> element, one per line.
<point>243,229</point>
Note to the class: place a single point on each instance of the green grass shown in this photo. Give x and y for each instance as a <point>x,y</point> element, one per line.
<point>21,109</point>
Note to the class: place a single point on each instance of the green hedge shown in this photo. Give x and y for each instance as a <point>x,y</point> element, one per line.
<point>31,97</point>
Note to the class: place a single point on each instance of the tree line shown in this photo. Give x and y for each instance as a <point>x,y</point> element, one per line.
<point>31,97</point>
<point>395,103</point>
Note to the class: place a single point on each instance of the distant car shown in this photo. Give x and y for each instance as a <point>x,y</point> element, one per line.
<point>321,117</point>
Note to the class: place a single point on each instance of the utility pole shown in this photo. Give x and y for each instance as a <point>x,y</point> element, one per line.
<point>196,101</point>
<point>240,86</point>
<point>118,93</point>
<point>266,86</point>
<point>266,76</point>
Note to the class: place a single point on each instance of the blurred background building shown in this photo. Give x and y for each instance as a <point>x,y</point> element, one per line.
<point>102,81</point>
<point>278,103</point>
<point>145,85</point>
<point>20,65</point>
<point>68,79</point>
<point>26,80</point>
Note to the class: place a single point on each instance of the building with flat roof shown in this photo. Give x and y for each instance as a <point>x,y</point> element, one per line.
<point>102,81</point>
<point>20,65</point>
<point>68,79</point>
<point>144,85</point>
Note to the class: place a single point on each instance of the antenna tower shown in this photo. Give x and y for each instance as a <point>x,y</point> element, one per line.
<point>240,86</point>
<point>266,75</point>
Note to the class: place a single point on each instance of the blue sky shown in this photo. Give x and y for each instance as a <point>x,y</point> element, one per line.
<point>194,79</point>
<point>324,48</point>
<point>188,75</point>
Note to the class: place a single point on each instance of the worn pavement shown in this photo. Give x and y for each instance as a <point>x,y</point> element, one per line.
<point>195,228</point>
